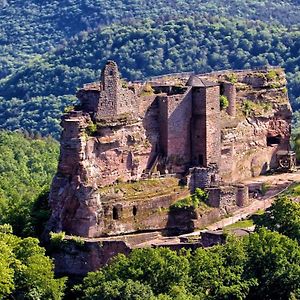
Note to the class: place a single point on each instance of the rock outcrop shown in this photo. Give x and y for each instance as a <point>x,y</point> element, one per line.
<point>126,147</point>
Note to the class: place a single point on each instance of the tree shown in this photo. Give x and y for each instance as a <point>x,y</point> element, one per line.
<point>218,273</point>
<point>283,216</point>
<point>26,273</point>
<point>147,271</point>
<point>274,260</point>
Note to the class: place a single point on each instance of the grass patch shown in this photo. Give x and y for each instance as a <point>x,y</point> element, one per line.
<point>250,108</point>
<point>240,224</point>
<point>143,189</point>
<point>293,190</point>
<point>232,78</point>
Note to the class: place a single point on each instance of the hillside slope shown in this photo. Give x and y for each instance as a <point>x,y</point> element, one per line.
<point>147,50</point>
<point>35,26</point>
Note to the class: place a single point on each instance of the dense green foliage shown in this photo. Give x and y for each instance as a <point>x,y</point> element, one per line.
<point>50,48</point>
<point>25,271</point>
<point>33,27</point>
<point>265,264</point>
<point>283,216</point>
<point>37,115</point>
<point>26,168</point>
<point>192,201</point>
<point>152,49</point>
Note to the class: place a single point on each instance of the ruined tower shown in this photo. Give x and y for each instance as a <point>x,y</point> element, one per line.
<point>108,98</point>
<point>205,122</point>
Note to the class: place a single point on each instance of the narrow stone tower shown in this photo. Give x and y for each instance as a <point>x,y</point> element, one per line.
<point>108,99</point>
<point>205,123</point>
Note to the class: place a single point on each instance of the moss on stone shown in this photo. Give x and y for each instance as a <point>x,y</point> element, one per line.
<point>251,108</point>
<point>232,77</point>
<point>142,189</point>
<point>271,75</point>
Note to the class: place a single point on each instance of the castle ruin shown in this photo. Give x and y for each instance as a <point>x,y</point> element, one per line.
<point>130,150</point>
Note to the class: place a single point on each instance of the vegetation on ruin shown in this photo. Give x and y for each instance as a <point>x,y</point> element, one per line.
<point>192,201</point>
<point>250,108</point>
<point>223,102</point>
<point>59,239</point>
<point>232,78</point>
<point>27,166</point>
<point>91,129</point>
<point>142,189</point>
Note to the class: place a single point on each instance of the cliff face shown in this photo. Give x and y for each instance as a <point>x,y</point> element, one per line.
<point>119,136</point>
<point>259,127</point>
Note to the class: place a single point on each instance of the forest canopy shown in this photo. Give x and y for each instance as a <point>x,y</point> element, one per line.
<point>27,166</point>
<point>41,88</point>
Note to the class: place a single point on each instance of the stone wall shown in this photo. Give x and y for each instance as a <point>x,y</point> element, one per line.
<point>108,98</point>
<point>201,177</point>
<point>119,134</point>
<point>178,122</point>
<point>262,111</point>
<point>206,141</point>
<point>227,198</point>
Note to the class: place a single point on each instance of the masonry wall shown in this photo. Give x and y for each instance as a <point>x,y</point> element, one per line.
<point>198,130</point>
<point>245,150</point>
<point>206,140</point>
<point>163,124</point>
<point>229,91</point>
<point>179,118</point>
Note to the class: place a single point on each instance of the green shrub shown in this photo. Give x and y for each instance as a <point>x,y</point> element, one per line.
<point>285,90</point>
<point>91,129</point>
<point>192,201</point>
<point>68,108</point>
<point>232,78</point>
<point>201,194</point>
<point>272,75</point>
<point>79,241</point>
<point>57,238</point>
<point>223,102</point>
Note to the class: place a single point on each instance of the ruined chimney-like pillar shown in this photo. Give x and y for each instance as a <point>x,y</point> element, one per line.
<point>242,195</point>
<point>229,90</point>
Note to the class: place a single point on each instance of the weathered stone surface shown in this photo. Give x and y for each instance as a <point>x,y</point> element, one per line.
<point>121,134</point>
